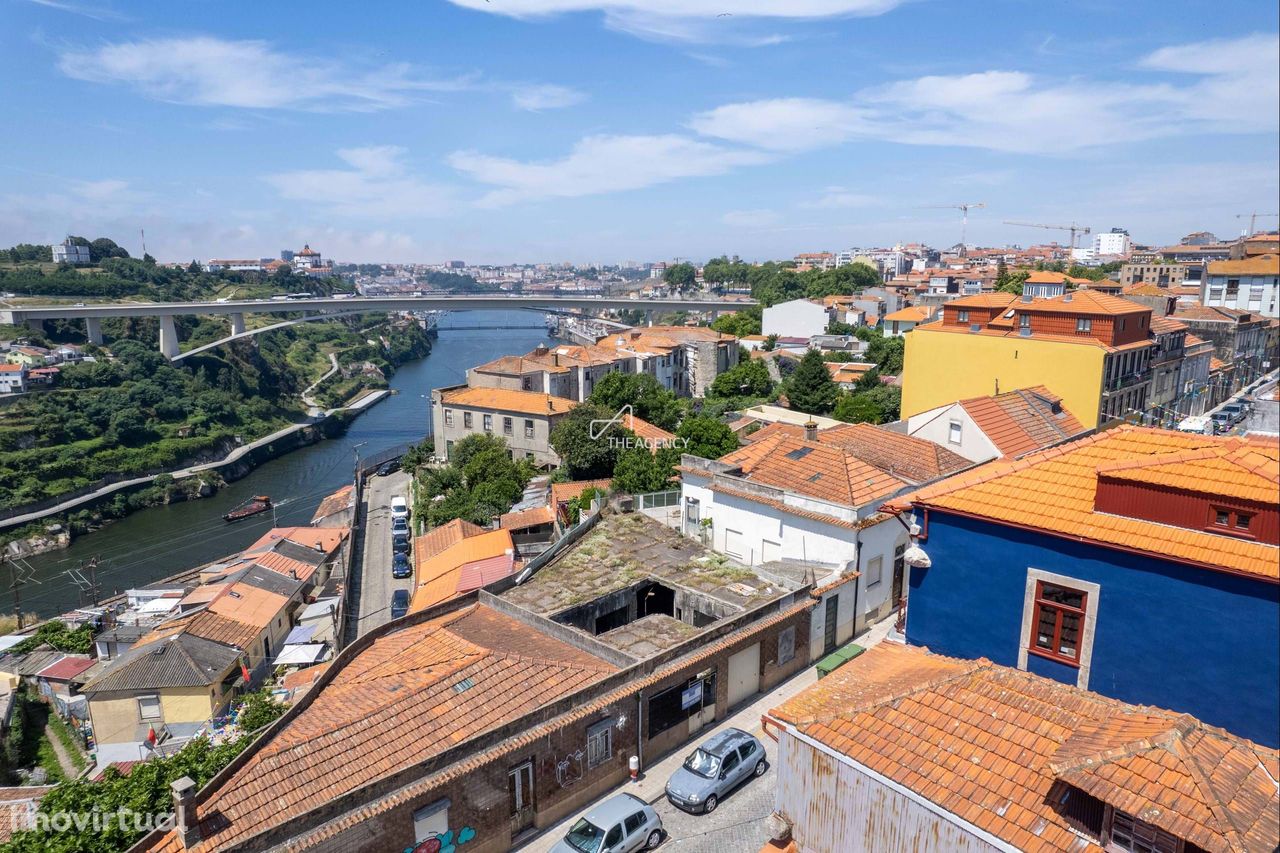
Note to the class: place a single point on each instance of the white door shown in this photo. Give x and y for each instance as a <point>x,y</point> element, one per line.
<point>744,674</point>
<point>770,551</point>
<point>733,543</point>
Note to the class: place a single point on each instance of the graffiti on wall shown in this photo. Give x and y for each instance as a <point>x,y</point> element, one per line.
<point>569,769</point>
<point>445,842</point>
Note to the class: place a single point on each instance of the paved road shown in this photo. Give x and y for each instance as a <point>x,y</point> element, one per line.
<point>736,824</point>
<point>375,584</point>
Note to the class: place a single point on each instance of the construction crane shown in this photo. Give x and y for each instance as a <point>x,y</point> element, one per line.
<point>1253,219</point>
<point>964,222</point>
<point>1073,228</point>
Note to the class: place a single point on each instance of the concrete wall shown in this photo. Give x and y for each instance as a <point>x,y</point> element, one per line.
<point>798,318</point>
<point>942,367</point>
<point>116,718</point>
<point>935,425</point>
<point>1175,636</point>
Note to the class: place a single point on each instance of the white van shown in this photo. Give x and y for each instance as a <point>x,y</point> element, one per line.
<point>399,507</point>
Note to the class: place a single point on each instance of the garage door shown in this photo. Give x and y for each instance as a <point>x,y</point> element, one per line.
<point>770,551</point>
<point>744,674</point>
<point>733,543</point>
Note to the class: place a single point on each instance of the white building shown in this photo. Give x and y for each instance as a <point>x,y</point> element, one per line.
<point>799,318</point>
<point>1249,284</point>
<point>233,265</point>
<point>1011,424</point>
<point>1114,243</point>
<point>67,252</point>
<point>13,378</point>
<point>307,259</point>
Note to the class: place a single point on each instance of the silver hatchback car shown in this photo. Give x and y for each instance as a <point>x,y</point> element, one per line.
<point>620,824</point>
<point>714,769</point>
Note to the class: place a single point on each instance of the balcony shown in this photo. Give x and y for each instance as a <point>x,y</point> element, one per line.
<point>1128,380</point>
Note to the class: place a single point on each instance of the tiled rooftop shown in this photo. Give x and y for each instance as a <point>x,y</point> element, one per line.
<point>994,746</point>
<point>1054,491</point>
<point>1018,422</point>
<point>812,468</point>
<point>502,400</point>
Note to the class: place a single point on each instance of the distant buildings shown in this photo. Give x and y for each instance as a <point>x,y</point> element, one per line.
<point>898,323</point>
<point>13,378</point>
<point>1250,284</point>
<point>1112,244</point>
<point>1074,562</point>
<point>67,252</point>
<point>1240,340</point>
<point>798,318</point>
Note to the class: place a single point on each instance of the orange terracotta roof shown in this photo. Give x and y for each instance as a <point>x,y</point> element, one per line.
<point>221,629</point>
<point>1217,364</point>
<point>286,565</point>
<point>1145,289</point>
<point>526,518</point>
<point>1018,422</point>
<point>438,576</point>
<point>437,539</point>
<point>1085,302</point>
<point>334,503</point>
<point>906,457</point>
<point>812,468</point>
<point>911,314</point>
<point>410,695</point>
<point>994,746</point>
<point>502,400</point>
<point>1166,325</point>
<point>1054,490</point>
<point>248,604</point>
<point>518,365</point>
<point>1051,277</point>
<point>563,492</point>
<point>328,538</point>
<point>1244,472</point>
<point>1258,265</point>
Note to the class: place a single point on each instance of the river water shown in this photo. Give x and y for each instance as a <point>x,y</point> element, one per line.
<point>160,541</point>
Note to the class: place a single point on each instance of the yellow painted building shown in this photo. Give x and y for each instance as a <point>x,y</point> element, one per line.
<point>945,365</point>
<point>126,717</point>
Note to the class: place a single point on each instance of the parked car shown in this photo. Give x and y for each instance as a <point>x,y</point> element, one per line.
<point>1235,410</point>
<point>620,824</point>
<point>400,525</point>
<point>399,507</point>
<point>400,545</point>
<point>399,603</point>
<point>400,567</point>
<point>389,467</point>
<point>714,769</point>
<point>1222,422</point>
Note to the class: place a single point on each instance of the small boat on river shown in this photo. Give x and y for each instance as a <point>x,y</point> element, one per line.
<point>253,506</point>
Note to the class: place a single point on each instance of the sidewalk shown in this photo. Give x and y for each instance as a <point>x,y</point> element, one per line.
<point>651,786</point>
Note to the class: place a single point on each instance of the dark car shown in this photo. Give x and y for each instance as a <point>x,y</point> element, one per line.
<point>400,545</point>
<point>400,567</point>
<point>389,467</point>
<point>399,603</point>
<point>722,763</point>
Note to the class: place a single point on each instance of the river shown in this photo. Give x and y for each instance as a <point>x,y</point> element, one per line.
<point>156,542</point>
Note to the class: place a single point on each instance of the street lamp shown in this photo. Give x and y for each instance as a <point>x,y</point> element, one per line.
<point>356,450</point>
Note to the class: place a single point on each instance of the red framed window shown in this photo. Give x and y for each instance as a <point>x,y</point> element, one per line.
<point>1057,623</point>
<point>1231,521</point>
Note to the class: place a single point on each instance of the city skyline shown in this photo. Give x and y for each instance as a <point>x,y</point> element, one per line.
<point>608,130</point>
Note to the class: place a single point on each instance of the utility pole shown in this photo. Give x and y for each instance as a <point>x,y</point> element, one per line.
<point>93,579</point>
<point>18,578</point>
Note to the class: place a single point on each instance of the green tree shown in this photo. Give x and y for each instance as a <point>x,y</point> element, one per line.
<point>707,437</point>
<point>740,323</point>
<point>748,378</point>
<point>681,276</point>
<point>811,388</point>
<point>1012,281</point>
<point>857,409</point>
<point>639,471</point>
<point>770,343</point>
<point>649,401</point>
<point>586,450</point>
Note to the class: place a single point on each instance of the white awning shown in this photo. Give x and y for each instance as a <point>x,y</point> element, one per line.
<point>301,655</point>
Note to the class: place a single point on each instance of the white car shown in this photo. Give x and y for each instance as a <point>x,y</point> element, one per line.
<point>399,508</point>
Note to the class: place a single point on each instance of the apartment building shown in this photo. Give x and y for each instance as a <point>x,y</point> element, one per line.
<point>1250,284</point>
<point>684,359</point>
<point>1240,339</point>
<point>1161,275</point>
<point>565,370</point>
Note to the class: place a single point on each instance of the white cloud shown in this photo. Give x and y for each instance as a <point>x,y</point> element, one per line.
<point>545,96</point>
<point>833,198</point>
<point>97,13</point>
<point>600,164</point>
<point>377,185</point>
<point>759,218</point>
<point>1236,91</point>
<point>207,71</point>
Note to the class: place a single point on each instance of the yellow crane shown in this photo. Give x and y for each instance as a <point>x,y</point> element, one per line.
<point>1073,228</point>
<point>964,222</point>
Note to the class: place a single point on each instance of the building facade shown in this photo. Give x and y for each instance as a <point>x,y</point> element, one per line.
<point>1249,284</point>
<point>523,419</point>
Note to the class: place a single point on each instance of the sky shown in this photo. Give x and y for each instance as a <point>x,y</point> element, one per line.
<point>604,131</point>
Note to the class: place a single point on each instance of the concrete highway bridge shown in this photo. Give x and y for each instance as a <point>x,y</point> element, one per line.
<point>318,307</point>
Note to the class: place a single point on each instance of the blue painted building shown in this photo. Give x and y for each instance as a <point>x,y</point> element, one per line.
<point>1140,564</point>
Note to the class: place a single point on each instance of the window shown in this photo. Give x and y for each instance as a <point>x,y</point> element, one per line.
<point>466,420</point>
<point>614,838</point>
<point>488,423</point>
<point>1233,288</point>
<point>1130,834</point>
<point>731,761</point>
<point>1121,324</point>
<point>1215,294</point>
<point>875,571</point>
<point>1024,321</point>
<point>1057,623</point>
<point>962,316</point>
<point>1226,520</point>
<point>1242,520</point>
<point>786,644</point>
<point>506,426</point>
<point>954,432</point>
<point>149,707</point>
<point>448,417</point>
<point>1084,324</point>
<point>599,743</point>
<point>431,820</point>
<point>528,428</point>
<point>634,822</point>
<point>747,750</point>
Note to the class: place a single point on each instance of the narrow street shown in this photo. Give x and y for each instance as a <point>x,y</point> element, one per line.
<point>374,584</point>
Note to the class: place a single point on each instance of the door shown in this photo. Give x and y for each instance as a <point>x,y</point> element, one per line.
<point>636,827</point>
<point>734,545</point>
<point>520,797</point>
<point>730,772</point>
<point>829,626</point>
<point>770,551</point>
<point>744,674</point>
<point>899,572</point>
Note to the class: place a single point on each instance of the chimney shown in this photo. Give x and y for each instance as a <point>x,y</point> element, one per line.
<point>184,811</point>
<point>1027,297</point>
<point>540,349</point>
<point>811,431</point>
<point>1066,297</point>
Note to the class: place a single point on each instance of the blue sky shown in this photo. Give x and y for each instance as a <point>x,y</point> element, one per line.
<point>610,130</point>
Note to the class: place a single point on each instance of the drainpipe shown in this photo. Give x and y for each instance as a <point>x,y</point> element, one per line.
<point>640,728</point>
<point>857,583</point>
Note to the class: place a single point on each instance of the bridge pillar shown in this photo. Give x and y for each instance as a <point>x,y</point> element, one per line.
<point>93,330</point>
<point>237,324</point>
<point>648,318</point>
<point>168,336</point>
<point>35,325</point>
